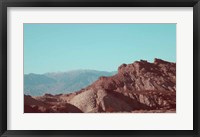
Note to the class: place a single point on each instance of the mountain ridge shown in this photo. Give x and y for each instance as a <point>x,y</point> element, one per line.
<point>137,87</point>
<point>61,82</point>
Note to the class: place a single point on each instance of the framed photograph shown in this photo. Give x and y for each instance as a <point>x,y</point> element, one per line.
<point>83,67</point>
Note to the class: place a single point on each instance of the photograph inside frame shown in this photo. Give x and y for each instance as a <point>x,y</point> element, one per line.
<point>99,68</point>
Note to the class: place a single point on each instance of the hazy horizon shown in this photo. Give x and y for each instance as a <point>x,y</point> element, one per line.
<point>102,47</point>
<point>69,71</point>
<point>78,70</point>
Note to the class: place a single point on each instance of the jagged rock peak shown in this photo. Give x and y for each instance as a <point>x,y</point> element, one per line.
<point>138,65</point>
<point>48,95</point>
<point>160,61</point>
<point>135,66</point>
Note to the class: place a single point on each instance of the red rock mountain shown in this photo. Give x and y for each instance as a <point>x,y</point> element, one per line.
<point>137,87</point>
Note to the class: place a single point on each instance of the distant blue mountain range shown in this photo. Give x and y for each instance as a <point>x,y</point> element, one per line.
<point>60,82</point>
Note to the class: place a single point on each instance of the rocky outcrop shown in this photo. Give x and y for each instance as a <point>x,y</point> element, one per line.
<point>48,104</point>
<point>138,87</point>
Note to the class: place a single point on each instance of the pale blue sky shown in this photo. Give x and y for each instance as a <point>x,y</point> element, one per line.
<point>64,47</point>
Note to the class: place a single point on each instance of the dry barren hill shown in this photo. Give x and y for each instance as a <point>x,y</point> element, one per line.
<point>138,87</point>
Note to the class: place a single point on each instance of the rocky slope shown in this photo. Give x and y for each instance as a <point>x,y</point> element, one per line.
<point>137,87</point>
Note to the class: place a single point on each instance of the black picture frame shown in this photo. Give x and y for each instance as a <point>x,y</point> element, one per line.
<point>100,3</point>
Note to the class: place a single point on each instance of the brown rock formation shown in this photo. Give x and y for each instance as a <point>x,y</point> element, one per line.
<point>48,104</point>
<point>137,87</point>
